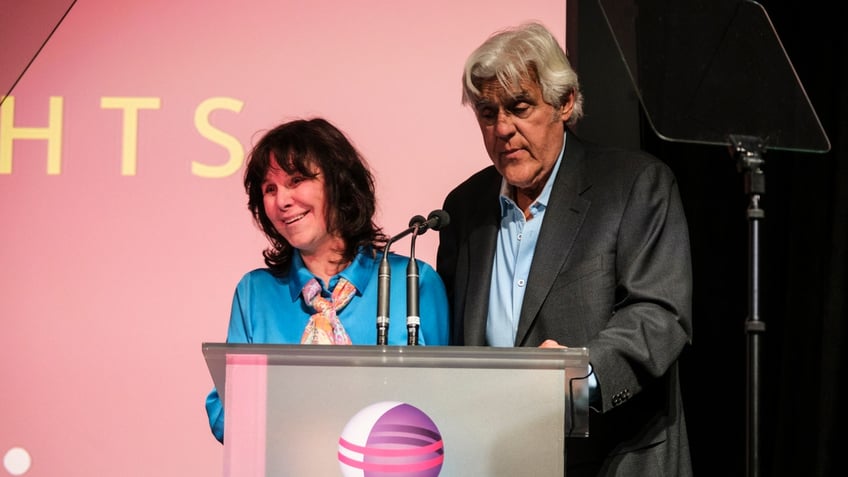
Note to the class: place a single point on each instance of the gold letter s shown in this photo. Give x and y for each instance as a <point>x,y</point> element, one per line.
<point>230,143</point>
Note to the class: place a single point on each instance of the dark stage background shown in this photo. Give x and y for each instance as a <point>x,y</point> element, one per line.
<point>803,243</point>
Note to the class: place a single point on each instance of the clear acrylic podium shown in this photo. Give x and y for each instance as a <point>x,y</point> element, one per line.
<point>302,410</point>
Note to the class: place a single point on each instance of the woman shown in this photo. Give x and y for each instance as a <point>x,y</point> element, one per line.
<point>311,193</point>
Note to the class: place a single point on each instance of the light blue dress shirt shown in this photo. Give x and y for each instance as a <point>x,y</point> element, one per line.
<point>516,245</point>
<point>515,250</point>
<point>269,309</point>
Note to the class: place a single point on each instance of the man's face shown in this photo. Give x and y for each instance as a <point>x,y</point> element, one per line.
<point>523,134</point>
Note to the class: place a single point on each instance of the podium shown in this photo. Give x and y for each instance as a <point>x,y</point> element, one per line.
<point>380,411</point>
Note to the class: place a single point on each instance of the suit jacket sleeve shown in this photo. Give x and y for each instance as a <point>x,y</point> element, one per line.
<point>650,321</point>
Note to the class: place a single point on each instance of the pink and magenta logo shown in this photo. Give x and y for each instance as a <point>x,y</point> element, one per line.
<point>391,439</point>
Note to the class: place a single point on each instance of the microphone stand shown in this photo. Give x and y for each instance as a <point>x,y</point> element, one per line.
<point>384,279</point>
<point>413,320</point>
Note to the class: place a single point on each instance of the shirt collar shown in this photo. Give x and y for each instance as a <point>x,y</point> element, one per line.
<point>358,272</point>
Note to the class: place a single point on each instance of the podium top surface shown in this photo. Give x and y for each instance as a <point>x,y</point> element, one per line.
<point>402,356</point>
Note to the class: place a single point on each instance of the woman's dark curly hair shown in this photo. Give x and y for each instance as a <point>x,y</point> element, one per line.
<point>297,148</point>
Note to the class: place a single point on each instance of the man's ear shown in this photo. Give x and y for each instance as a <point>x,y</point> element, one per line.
<point>567,107</point>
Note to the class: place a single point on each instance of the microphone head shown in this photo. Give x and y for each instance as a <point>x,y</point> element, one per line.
<point>438,219</point>
<point>417,220</point>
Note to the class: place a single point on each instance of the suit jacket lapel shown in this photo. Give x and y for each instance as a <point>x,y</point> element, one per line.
<point>484,239</point>
<point>564,216</point>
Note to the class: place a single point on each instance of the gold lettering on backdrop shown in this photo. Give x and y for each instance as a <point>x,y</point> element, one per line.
<point>228,142</point>
<point>131,106</point>
<point>52,134</point>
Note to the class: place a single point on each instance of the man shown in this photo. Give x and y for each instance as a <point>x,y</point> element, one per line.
<point>566,243</point>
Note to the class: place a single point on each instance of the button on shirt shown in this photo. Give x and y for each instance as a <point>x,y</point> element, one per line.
<point>516,245</point>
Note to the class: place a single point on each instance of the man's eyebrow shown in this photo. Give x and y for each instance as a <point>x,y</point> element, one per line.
<point>506,101</point>
<point>521,97</point>
<point>483,103</point>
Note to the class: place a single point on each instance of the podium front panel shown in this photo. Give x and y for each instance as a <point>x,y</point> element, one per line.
<point>392,411</point>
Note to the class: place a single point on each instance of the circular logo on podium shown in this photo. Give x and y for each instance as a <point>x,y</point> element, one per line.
<point>391,439</point>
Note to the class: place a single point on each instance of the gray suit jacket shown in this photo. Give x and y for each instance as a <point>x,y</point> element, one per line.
<point>612,273</point>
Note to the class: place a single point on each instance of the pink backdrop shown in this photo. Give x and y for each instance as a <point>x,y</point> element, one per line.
<point>124,233</point>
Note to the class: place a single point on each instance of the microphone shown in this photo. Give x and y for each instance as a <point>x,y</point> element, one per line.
<point>436,220</point>
<point>413,320</point>
<point>417,224</point>
<point>384,280</point>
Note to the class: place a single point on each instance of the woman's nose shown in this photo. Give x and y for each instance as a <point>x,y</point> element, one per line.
<point>283,197</point>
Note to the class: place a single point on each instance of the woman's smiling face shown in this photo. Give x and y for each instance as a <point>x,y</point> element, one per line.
<point>296,204</point>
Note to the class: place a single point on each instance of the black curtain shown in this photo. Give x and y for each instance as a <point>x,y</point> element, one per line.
<point>804,237</point>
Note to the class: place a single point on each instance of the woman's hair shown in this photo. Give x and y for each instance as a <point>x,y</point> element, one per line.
<point>524,53</point>
<point>299,147</point>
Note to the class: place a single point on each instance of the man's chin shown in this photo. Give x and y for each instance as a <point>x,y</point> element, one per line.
<point>517,177</point>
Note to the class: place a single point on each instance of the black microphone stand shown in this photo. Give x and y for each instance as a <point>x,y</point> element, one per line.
<point>384,279</point>
<point>413,319</point>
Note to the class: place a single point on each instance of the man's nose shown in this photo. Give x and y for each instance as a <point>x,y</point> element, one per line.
<point>504,126</point>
